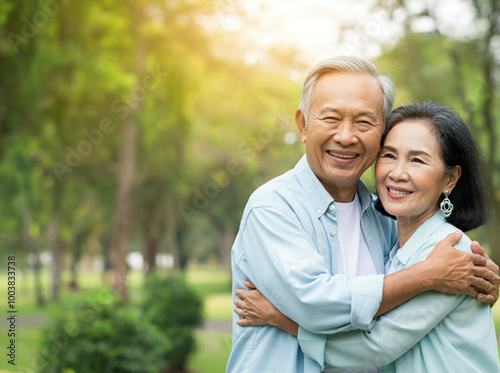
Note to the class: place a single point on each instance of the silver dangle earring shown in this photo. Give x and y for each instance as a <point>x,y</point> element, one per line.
<point>446,205</point>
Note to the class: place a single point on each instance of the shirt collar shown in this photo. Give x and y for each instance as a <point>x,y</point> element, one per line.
<point>365,196</point>
<point>415,241</point>
<point>317,193</point>
<point>313,188</point>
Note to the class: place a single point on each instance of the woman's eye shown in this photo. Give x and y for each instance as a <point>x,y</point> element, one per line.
<point>388,155</point>
<point>417,160</point>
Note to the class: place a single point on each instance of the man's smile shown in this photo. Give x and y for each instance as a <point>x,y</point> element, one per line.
<point>341,155</point>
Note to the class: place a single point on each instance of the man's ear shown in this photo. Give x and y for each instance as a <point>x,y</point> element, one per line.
<point>453,178</point>
<point>300,120</point>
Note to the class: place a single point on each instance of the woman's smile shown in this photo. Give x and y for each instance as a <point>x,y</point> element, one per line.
<point>397,193</point>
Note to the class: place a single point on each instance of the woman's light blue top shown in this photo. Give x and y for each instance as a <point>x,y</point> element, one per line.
<point>433,332</point>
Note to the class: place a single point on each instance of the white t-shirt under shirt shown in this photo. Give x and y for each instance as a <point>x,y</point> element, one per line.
<point>354,257</point>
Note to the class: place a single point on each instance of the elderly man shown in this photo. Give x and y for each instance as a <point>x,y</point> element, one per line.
<point>311,239</point>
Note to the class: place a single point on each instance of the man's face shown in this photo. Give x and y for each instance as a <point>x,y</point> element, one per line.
<point>343,131</point>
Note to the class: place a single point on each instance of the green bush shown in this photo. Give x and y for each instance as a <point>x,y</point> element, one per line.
<point>175,309</point>
<point>111,338</point>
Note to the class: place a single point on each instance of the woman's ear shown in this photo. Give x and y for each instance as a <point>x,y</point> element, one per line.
<point>300,120</point>
<point>453,178</point>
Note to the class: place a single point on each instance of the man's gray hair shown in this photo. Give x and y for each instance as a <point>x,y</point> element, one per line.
<point>347,65</point>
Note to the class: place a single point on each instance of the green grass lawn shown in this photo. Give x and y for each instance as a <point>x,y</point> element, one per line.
<point>212,352</point>
<point>213,347</point>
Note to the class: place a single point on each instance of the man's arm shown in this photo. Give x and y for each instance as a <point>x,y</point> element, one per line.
<point>393,334</point>
<point>492,296</point>
<point>446,270</point>
<point>282,260</point>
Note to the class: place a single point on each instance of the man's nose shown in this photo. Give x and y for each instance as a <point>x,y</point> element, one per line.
<point>346,133</point>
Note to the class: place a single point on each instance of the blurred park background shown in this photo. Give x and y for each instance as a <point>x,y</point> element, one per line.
<point>132,133</point>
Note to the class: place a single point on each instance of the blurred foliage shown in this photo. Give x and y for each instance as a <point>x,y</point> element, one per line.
<point>175,309</point>
<point>74,76</point>
<point>209,126</point>
<point>108,338</point>
<point>104,335</point>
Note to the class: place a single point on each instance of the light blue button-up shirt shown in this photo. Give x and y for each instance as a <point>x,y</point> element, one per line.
<point>433,332</point>
<point>287,246</point>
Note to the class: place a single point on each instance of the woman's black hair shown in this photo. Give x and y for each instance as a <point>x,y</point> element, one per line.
<point>458,147</point>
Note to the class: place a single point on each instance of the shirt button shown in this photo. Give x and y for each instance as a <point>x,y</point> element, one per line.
<point>331,207</point>
<point>318,212</point>
<point>332,233</point>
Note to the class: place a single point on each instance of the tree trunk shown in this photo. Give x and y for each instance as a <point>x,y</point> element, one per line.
<point>153,230</point>
<point>494,235</point>
<point>126,167</point>
<point>122,227</point>
<point>172,244</point>
<point>151,245</point>
<point>37,266</point>
<point>73,283</point>
<point>31,249</point>
<point>226,239</point>
<point>54,235</point>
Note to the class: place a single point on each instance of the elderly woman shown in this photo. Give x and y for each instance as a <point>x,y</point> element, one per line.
<point>429,177</point>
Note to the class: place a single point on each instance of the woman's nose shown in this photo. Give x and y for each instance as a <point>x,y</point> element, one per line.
<point>399,171</point>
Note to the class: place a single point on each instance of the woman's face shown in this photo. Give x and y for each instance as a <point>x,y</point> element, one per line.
<point>410,172</point>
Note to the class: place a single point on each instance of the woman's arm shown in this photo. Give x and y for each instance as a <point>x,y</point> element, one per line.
<point>255,309</point>
<point>393,334</point>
